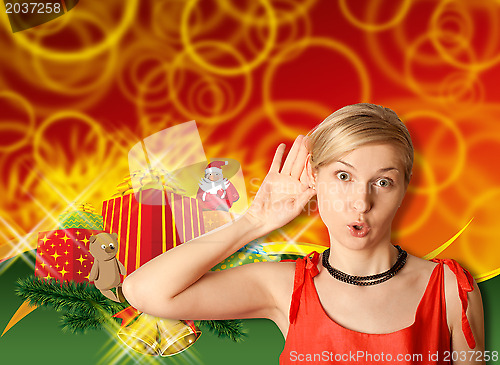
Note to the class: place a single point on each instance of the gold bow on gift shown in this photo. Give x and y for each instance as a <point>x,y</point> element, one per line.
<point>84,207</point>
<point>151,179</point>
<point>151,335</point>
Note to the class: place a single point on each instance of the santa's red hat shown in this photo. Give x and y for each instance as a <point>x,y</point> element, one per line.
<point>215,166</point>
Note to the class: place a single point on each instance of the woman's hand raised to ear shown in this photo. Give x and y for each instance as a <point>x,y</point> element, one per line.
<point>171,284</point>
<point>283,194</point>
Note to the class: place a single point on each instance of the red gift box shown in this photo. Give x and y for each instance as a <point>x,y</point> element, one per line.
<point>64,254</point>
<point>146,229</point>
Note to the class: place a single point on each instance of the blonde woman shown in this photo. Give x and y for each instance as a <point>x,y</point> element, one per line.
<point>362,301</point>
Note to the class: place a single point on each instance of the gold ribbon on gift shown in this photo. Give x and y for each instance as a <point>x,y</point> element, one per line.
<point>152,178</point>
<point>154,336</point>
<point>84,207</point>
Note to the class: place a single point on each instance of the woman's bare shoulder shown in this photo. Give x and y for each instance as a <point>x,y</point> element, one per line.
<point>418,268</point>
<point>278,276</point>
<point>474,312</point>
<point>419,263</point>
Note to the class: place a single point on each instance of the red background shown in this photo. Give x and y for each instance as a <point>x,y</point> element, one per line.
<point>78,92</point>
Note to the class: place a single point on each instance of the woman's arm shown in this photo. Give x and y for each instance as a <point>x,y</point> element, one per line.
<point>178,283</point>
<point>460,349</point>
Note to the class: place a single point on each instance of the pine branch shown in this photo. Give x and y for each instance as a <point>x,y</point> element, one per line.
<point>80,298</point>
<point>80,323</point>
<point>86,307</point>
<point>231,328</point>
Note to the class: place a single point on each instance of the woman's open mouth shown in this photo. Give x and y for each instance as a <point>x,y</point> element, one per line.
<point>358,229</point>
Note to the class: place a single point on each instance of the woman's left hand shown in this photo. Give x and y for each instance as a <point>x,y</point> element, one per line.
<point>283,194</point>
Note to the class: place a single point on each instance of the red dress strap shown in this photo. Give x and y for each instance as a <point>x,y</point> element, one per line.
<point>465,285</point>
<point>301,266</point>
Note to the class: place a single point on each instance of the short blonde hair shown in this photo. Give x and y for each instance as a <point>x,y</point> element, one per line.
<point>354,126</point>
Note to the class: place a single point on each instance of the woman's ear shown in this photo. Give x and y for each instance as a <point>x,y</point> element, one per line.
<point>310,172</point>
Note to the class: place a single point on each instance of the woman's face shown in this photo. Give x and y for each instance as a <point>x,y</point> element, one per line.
<point>359,194</point>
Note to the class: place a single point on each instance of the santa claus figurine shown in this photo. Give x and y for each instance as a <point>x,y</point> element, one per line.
<point>217,192</point>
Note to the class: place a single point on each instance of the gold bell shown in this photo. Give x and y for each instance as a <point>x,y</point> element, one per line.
<point>151,335</point>
<point>141,335</point>
<point>176,335</point>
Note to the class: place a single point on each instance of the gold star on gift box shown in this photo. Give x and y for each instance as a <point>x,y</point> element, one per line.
<point>64,254</point>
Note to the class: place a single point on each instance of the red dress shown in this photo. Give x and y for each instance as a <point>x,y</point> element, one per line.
<point>314,338</point>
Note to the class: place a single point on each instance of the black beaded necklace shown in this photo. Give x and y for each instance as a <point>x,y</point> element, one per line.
<point>366,280</point>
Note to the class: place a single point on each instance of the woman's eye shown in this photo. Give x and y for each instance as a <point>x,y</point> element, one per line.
<point>344,176</point>
<point>383,183</point>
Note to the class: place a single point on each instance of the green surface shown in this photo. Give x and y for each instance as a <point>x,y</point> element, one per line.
<point>490,292</point>
<point>38,338</point>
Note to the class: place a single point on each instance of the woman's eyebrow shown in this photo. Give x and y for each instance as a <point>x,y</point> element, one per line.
<point>380,170</point>
<point>347,164</point>
<point>387,169</point>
